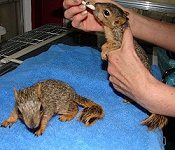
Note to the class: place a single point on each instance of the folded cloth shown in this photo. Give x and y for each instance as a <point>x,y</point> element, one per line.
<point>82,68</point>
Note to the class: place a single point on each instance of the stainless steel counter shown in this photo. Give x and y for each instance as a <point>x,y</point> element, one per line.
<point>152,5</point>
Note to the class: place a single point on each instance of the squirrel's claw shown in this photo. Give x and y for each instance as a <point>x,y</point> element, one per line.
<point>38,133</point>
<point>6,124</point>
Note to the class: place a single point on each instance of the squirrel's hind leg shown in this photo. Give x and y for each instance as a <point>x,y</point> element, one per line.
<point>70,114</point>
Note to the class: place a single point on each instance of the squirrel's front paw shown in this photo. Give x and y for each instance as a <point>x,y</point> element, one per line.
<point>39,132</point>
<point>106,48</point>
<point>104,56</point>
<point>7,124</point>
<point>104,52</point>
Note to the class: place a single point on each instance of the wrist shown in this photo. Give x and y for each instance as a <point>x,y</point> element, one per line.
<point>135,21</point>
<point>146,92</point>
<point>157,97</point>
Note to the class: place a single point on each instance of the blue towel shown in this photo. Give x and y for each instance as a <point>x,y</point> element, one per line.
<point>82,68</point>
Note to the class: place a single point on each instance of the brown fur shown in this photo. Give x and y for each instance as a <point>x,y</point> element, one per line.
<point>36,105</point>
<point>115,21</point>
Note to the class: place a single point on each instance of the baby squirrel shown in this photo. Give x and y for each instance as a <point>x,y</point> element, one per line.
<point>36,105</point>
<point>115,21</point>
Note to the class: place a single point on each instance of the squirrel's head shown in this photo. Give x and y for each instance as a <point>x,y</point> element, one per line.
<point>29,106</point>
<point>110,15</point>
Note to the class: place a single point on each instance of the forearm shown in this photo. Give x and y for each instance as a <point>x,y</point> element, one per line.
<point>159,98</point>
<point>153,31</point>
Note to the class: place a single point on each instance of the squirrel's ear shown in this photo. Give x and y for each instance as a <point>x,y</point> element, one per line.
<point>38,90</point>
<point>15,91</point>
<point>120,21</point>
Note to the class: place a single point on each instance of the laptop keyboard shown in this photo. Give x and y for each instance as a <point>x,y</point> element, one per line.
<point>22,44</point>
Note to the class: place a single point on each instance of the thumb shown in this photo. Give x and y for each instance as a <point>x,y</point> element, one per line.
<point>127,42</point>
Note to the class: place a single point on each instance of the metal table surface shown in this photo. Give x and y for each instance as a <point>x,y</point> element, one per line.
<point>152,5</point>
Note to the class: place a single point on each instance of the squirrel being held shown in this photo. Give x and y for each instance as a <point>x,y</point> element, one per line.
<point>37,104</point>
<point>115,21</point>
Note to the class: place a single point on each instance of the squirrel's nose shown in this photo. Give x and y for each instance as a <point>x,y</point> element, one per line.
<point>32,124</point>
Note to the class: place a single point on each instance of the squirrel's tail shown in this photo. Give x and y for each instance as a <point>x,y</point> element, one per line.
<point>91,112</point>
<point>155,121</point>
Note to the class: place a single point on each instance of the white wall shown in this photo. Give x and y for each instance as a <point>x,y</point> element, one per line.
<point>27,15</point>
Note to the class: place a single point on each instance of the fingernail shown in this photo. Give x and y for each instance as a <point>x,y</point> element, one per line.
<point>77,1</point>
<point>82,6</point>
<point>84,12</point>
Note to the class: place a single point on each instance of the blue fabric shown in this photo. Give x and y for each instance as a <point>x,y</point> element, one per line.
<point>156,72</point>
<point>81,67</point>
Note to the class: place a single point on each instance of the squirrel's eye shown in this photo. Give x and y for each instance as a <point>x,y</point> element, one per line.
<point>106,13</point>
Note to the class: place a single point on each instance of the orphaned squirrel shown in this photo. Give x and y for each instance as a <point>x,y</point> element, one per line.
<point>115,21</point>
<point>36,105</point>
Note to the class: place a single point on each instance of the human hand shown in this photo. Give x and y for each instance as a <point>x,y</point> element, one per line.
<point>81,17</point>
<point>127,73</point>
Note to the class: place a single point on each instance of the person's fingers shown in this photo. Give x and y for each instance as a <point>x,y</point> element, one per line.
<point>114,56</point>
<point>69,3</point>
<point>117,84</point>
<point>113,60</point>
<point>102,1</point>
<point>127,42</point>
<point>73,11</point>
<point>126,48</point>
<point>77,21</point>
